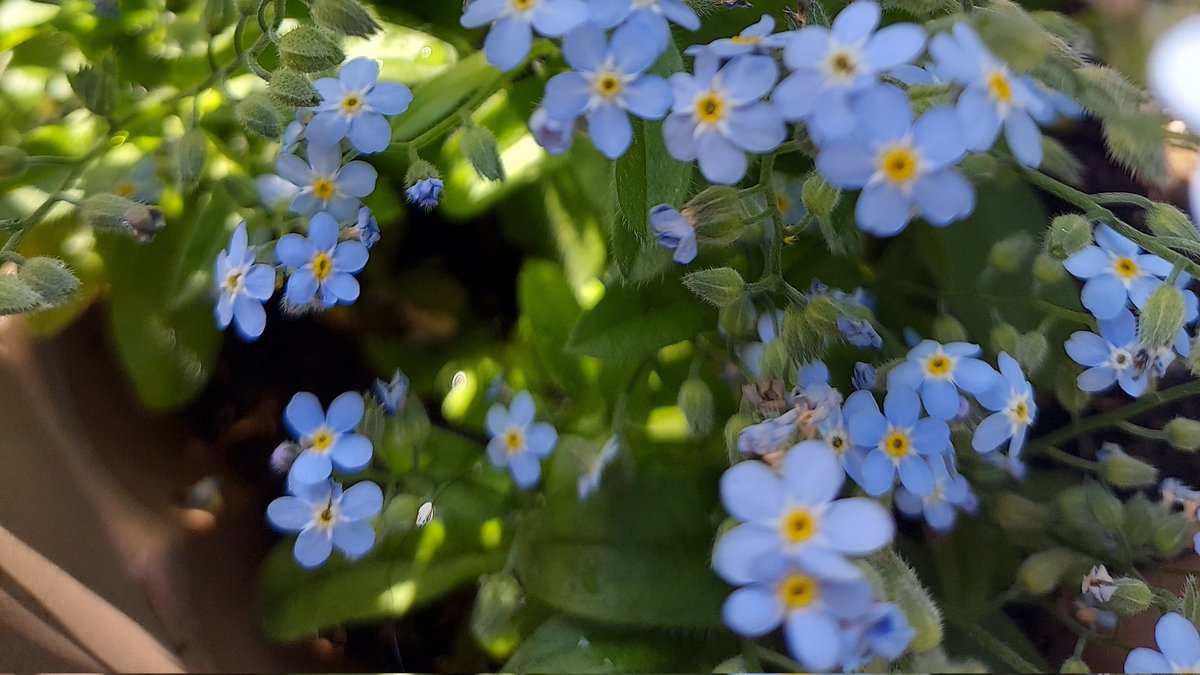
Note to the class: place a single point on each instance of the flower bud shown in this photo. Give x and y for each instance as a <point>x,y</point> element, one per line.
<point>733,430</point>
<point>425,514</point>
<point>718,286</point>
<point>696,402</point>
<point>96,88</point>
<point>1041,572</point>
<point>290,88</point>
<point>1165,220</point>
<point>423,185</point>
<point>1068,393</point>
<point>345,17</point>
<point>50,279</point>
<point>12,162</point>
<point>946,328</point>
<point>1004,338</point>
<point>1172,534</point>
<point>308,50</point>
<point>1162,316</point>
<point>111,212</point>
<point>1018,514</point>
<point>1183,434</point>
<point>479,147</point>
<point>1104,505</point>
<point>979,167</point>
<point>1068,234</point>
<point>1009,254</point>
<point>864,376</point>
<point>494,616</point>
<point>190,157</point>
<point>1124,471</point>
<point>1075,665</point>
<point>1031,350</point>
<point>715,213</point>
<point>217,15</point>
<point>819,197</point>
<point>738,319</point>
<point>16,296</point>
<point>1131,597</point>
<point>258,115</point>
<point>775,361</point>
<point>1047,270</point>
<point>904,588</point>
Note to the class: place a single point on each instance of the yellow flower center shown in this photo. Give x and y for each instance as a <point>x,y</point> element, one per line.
<point>322,266</point>
<point>899,165</point>
<point>1020,412</point>
<point>838,443</point>
<point>352,103</point>
<point>797,591</point>
<point>798,526</point>
<point>1125,268</point>
<point>745,39</point>
<point>999,87</point>
<point>126,189</point>
<point>323,189</point>
<point>710,108</point>
<point>322,440</point>
<point>783,202</point>
<point>843,64</point>
<point>233,282</point>
<point>522,5</point>
<point>608,85</point>
<point>326,517</point>
<point>896,444</point>
<point>938,365</point>
<point>514,440</point>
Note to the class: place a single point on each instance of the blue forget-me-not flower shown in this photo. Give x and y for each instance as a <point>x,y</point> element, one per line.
<point>882,632</point>
<point>554,135</point>
<point>513,23</point>
<point>993,95</point>
<point>326,185</point>
<point>354,105</point>
<point>1178,644</point>
<point>1116,357</point>
<point>326,517</point>
<point>793,514</point>
<point>243,287</point>
<point>831,64</point>
<point>898,441</point>
<point>425,193</point>
<point>901,165</point>
<point>759,38</point>
<point>518,443</point>
<point>938,371</point>
<point>320,266</point>
<point>366,229</point>
<point>718,115</point>
<point>1014,410</point>
<point>328,438</point>
<point>653,14</point>
<point>950,491</point>
<point>391,394</point>
<point>674,231</point>
<point>1115,270</point>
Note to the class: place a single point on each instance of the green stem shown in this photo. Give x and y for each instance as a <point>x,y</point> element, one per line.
<point>750,657</point>
<point>774,657</point>
<point>1070,460</point>
<point>772,246</point>
<point>997,647</point>
<point>1115,417</point>
<point>1139,430</point>
<point>1127,198</point>
<point>32,219</point>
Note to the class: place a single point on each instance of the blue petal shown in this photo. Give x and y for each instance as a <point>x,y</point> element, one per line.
<point>525,468</point>
<point>360,73</point>
<point>1121,330</point>
<point>310,467</point>
<point>846,163</point>
<point>878,473</point>
<point>679,134</point>
<point>1143,660</point>
<point>796,94</point>
<point>556,17</point>
<point>508,42</point>
<point>301,287</point>
<point>1178,640</point>
<point>720,161</point>
<point>341,288</point>
<point>608,13</point>
<point>1094,380</point>
<point>944,197</point>
<point>979,119</point>
<point>931,436</point>
<point>370,133</point>
<point>497,419</point>
<point>902,407</point>
<point>857,526</point>
<point>939,515</point>
<point>610,130</point>
<point>634,48</point>
<point>354,539</point>
<point>345,412</point>
<point>884,112</point>
<point>1104,295</point>
<point>975,376</point>
<point>350,256</point>
<point>361,501</point>
<point>351,453</point>
<point>916,476</point>
<point>752,611</point>
<point>856,21</point>
<point>738,555</point>
<point>312,548</point>
<point>1088,262</point>
<point>357,179</point>
<point>751,491</point>
<point>747,78</point>
<point>1088,349</point>
<point>806,48</point>
<point>294,170</point>
<point>259,282</point>
<point>521,410</point>
<point>1024,138</point>
<point>250,319</point>
<point>540,439</point>
<point>585,48</point>
<point>940,398</point>
<point>757,128</point>
<point>482,12</point>
<point>1109,240</point>
<point>866,427</point>
<point>289,514</point>
<point>907,374</point>
<point>1141,288</point>
<point>497,452</point>
<point>881,210</point>
<point>894,45</point>
<point>812,474</point>
<point>648,97</point>
<point>567,95</point>
<point>389,98</point>
<point>303,415</point>
<point>812,636</point>
<point>678,12</point>
<point>938,136</point>
<point>832,117</point>
<point>991,433</point>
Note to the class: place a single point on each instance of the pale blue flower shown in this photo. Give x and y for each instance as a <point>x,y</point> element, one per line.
<point>514,21</point>
<point>899,441</point>
<point>555,136</point>
<point>326,517</point>
<point>392,394</point>
<point>243,287</point>
<point>773,435</point>
<point>653,14</point>
<point>674,231</point>
<point>324,184</point>
<point>608,83</point>
<point>789,197</point>
<point>794,514</point>
<point>759,38</point>
<point>1055,104</point>
<point>328,438</point>
<point>319,265</point>
<point>883,632</point>
<point>864,376</point>
<point>1179,644</point>
<point>1191,312</point>
<point>593,468</point>
<point>993,95</point>
<point>902,166</point>
<point>355,105</point>
<point>835,435</point>
<point>831,64</point>
<point>274,192</point>
<point>1014,408</point>
<point>140,183</point>
<point>293,133</point>
<point>366,230</point>
<point>938,371</point>
<point>425,193</point>
<point>768,329</point>
<point>950,491</point>
<point>518,443</point>
<point>718,115</point>
<point>859,332</point>
<point>1116,270</point>
<point>1116,357</point>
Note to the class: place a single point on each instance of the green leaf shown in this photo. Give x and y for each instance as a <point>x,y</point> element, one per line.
<point>561,645</point>
<point>550,308</point>
<point>629,323</point>
<point>435,99</point>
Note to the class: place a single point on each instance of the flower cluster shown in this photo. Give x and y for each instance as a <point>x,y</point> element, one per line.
<point>1118,279</point>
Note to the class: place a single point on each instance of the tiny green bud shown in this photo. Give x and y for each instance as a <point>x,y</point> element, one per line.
<point>1041,572</point>
<point>1031,350</point>
<point>248,7</point>
<point>1068,234</point>
<point>733,427</point>
<point>1162,316</point>
<point>696,402</point>
<point>258,115</point>
<point>979,167</point>
<point>1130,598</point>
<point>715,213</point>
<point>290,88</point>
<point>1123,470</point>
<point>819,197</point>
<point>718,286</point>
<point>738,319</point>
<point>1172,534</point>
<point>308,50</point>
<point>494,616</point>
<point>1183,434</point>
<point>1193,359</point>
<point>16,296</point>
<point>345,17</point>
<point>418,171</point>
<point>1009,254</point>
<point>96,88</point>
<point>190,157</point>
<point>775,361</point>
<point>217,15</point>
<point>50,279</point>
<point>1104,505</point>
<point>1018,514</point>
<point>1072,504</point>
<point>12,162</point>
<point>111,212</point>
<point>1048,270</point>
<point>479,147</point>
<point>946,328</point>
<point>1004,338</point>
<point>1068,393</point>
<point>1165,220</point>
<point>905,589</point>
<point>1075,665</point>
